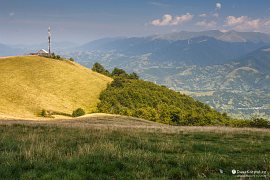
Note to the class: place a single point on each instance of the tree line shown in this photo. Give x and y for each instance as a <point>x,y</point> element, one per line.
<point>130,96</point>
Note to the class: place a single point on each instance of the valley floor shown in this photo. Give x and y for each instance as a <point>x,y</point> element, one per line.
<point>102,146</point>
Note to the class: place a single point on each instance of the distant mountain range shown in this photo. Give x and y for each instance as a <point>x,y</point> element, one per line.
<point>185,48</point>
<point>229,36</point>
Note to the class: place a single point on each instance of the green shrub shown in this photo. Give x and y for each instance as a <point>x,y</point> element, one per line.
<point>133,76</point>
<point>260,123</point>
<point>78,112</point>
<point>119,72</point>
<point>43,113</point>
<point>100,69</point>
<point>71,59</point>
<point>118,82</point>
<point>237,123</point>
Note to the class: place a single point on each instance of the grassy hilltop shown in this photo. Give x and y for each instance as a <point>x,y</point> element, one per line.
<point>31,83</point>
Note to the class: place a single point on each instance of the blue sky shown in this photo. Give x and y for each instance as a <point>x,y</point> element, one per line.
<point>80,21</point>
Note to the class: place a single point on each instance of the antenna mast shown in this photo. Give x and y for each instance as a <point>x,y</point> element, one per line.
<point>49,39</point>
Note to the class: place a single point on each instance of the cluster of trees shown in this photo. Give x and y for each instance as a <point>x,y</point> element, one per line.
<point>130,96</point>
<point>116,72</point>
<point>49,113</point>
<point>78,112</point>
<point>133,97</point>
<point>55,56</point>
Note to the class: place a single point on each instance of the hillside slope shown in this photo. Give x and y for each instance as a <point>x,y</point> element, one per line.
<point>29,84</point>
<point>149,101</point>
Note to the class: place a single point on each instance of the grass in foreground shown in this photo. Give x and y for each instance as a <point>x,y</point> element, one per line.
<point>51,152</point>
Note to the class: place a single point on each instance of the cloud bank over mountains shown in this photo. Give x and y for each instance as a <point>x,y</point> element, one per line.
<point>213,20</point>
<point>168,19</point>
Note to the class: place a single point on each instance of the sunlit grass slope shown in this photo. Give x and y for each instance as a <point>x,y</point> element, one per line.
<point>29,84</point>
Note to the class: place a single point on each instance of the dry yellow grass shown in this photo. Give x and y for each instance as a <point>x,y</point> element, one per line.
<point>29,84</point>
<point>110,122</point>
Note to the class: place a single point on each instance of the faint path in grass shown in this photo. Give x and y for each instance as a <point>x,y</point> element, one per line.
<point>109,121</point>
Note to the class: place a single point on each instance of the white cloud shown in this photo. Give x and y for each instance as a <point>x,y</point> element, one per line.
<point>218,6</point>
<point>181,19</point>
<point>203,15</point>
<point>11,14</point>
<point>168,19</point>
<point>231,20</point>
<point>245,23</point>
<point>206,24</point>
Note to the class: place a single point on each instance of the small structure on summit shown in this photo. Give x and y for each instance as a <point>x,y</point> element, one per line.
<point>43,52</point>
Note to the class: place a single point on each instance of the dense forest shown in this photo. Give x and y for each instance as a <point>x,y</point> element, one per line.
<point>130,96</point>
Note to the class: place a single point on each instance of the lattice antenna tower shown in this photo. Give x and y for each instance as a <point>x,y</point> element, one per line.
<point>49,39</point>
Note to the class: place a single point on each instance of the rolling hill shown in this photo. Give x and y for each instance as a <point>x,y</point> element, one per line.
<point>259,59</point>
<point>146,100</point>
<point>31,83</point>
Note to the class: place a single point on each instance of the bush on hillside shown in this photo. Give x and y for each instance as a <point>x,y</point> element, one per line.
<point>122,73</point>
<point>116,72</point>
<point>78,112</point>
<point>100,69</point>
<point>118,82</point>
<point>260,123</point>
<point>53,56</point>
<point>133,76</point>
<point>45,113</point>
<point>119,72</point>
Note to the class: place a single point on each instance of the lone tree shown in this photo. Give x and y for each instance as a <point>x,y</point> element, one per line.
<point>100,69</point>
<point>134,76</point>
<point>78,112</point>
<point>119,72</point>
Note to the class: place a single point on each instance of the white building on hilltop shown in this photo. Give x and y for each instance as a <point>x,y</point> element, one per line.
<point>41,52</point>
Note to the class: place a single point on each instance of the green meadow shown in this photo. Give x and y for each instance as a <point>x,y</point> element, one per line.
<point>31,151</point>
